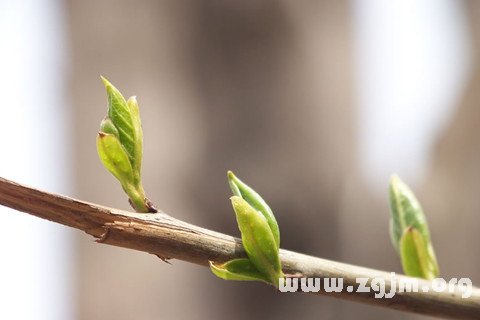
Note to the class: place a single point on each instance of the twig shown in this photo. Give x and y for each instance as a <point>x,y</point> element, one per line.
<point>167,237</point>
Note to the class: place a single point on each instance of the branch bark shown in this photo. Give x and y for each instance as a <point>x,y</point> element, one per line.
<point>169,238</point>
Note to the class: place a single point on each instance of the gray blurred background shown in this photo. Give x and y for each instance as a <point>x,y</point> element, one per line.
<point>314,103</point>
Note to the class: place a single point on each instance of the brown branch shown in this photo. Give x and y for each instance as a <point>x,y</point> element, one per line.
<point>166,237</point>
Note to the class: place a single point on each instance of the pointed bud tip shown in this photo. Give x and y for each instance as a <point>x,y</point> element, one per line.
<point>236,201</point>
<point>230,175</point>
<point>399,185</point>
<point>215,265</point>
<point>108,85</point>
<point>105,81</point>
<point>394,178</point>
<point>132,102</point>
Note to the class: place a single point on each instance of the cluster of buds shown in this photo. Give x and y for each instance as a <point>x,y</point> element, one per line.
<point>260,238</point>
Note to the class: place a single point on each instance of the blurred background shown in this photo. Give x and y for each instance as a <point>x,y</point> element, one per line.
<point>314,103</point>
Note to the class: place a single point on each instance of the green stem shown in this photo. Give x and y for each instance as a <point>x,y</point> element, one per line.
<point>138,199</point>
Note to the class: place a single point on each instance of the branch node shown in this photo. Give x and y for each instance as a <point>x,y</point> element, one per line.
<point>104,235</point>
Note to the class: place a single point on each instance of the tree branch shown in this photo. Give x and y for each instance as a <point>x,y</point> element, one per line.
<point>167,237</point>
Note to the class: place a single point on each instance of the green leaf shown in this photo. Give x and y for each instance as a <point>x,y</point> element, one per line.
<point>114,157</point>
<point>241,189</point>
<point>258,240</point>
<point>238,269</point>
<point>407,214</point>
<point>138,134</point>
<point>415,256</point>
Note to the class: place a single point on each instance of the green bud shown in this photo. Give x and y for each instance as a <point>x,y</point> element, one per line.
<point>415,257</point>
<point>120,143</point>
<point>409,232</point>
<point>238,269</point>
<point>242,190</point>
<point>258,240</point>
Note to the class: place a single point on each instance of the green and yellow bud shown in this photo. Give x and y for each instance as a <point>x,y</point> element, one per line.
<point>258,240</point>
<point>409,232</point>
<point>120,143</point>
<point>242,190</point>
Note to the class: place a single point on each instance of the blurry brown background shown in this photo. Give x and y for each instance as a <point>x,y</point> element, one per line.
<point>266,89</point>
